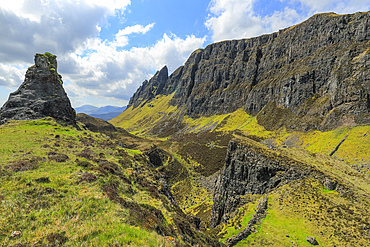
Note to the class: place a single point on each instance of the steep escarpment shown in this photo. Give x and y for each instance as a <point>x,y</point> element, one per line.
<point>150,88</point>
<point>40,95</point>
<point>250,170</point>
<point>316,74</point>
<point>305,194</point>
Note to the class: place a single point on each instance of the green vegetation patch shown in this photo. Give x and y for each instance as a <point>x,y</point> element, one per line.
<point>60,185</point>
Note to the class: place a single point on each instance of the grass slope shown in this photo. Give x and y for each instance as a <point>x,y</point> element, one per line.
<point>158,114</point>
<point>297,210</point>
<point>305,208</point>
<point>63,186</point>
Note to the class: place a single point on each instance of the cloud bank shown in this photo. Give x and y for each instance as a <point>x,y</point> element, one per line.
<point>100,71</point>
<point>90,66</point>
<point>236,19</point>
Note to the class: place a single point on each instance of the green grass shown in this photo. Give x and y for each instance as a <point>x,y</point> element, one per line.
<point>49,202</point>
<point>303,208</point>
<point>300,209</point>
<point>143,117</point>
<point>239,222</point>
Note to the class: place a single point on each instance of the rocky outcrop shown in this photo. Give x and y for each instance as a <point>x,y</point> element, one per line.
<point>257,217</point>
<point>312,240</point>
<point>250,169</point>
<point>95,124</point>
<point>149,89</point>
<point>41,95</point>
<point>316,74</point>
<point>157,157</point>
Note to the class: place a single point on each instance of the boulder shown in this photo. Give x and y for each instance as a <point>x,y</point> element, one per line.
<point>312,240</point>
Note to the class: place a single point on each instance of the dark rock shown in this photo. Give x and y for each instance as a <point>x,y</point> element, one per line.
<point>250,170</point>
<point>42,180</point>
<point>256,218</point>
<point>311,76</point>
<point>329,184</point>
<point>312,240</point>
<point>150,89</point>
<point>157,157</point>
<point>165,190</point>
<point>95,124</point>
<point>40,95</point>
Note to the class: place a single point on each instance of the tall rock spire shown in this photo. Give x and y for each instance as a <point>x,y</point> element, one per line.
<point>40,95</point>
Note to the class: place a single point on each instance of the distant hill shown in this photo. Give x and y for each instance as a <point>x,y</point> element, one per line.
<point>106,112</point>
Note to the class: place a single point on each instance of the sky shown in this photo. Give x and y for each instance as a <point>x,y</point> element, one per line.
<point>106,49</point>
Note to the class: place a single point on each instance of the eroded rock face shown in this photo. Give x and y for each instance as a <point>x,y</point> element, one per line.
<point>249,170</point>
<point>40,95</point>
<point>150,89</point>
<point>317,71</point>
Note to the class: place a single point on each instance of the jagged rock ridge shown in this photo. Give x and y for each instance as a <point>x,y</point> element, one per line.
<point>315,74</point>
<point>40,95</point>
<point>150,88</point>
<point>249,170</point>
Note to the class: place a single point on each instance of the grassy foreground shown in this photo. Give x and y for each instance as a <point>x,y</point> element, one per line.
<point>63,186</point>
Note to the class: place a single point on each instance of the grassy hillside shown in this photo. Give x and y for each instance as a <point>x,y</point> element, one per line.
<point>158,118</point>
<point>63,186</point>
<point>296,210</point>
<point>305,207</point>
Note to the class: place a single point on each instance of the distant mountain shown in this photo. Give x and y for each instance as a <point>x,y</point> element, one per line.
<point>87,109</point>
<point>106,112</point>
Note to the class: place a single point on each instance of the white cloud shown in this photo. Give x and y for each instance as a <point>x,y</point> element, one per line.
<point>60,26</point>
<point>10,76</point>
<point>235,19</point>
<point>135,29</point>
<point>111,73</point>
<point>121,36</point>
<point>34,10</point>
<point>90,67</point>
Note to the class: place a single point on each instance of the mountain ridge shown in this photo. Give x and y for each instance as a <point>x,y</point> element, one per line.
<point>106,112</point>
<point>316,73</point>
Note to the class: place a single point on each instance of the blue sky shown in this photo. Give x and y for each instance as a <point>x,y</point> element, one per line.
<point>106,49</point>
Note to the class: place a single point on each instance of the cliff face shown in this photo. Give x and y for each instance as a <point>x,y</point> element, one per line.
<point>150,89</point>
<point>249,170</point>
<point>40,95</point>
<point>315,73</point>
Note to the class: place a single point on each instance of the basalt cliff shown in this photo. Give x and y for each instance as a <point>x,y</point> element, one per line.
<point>314,75</point>
<point>40,95</point>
